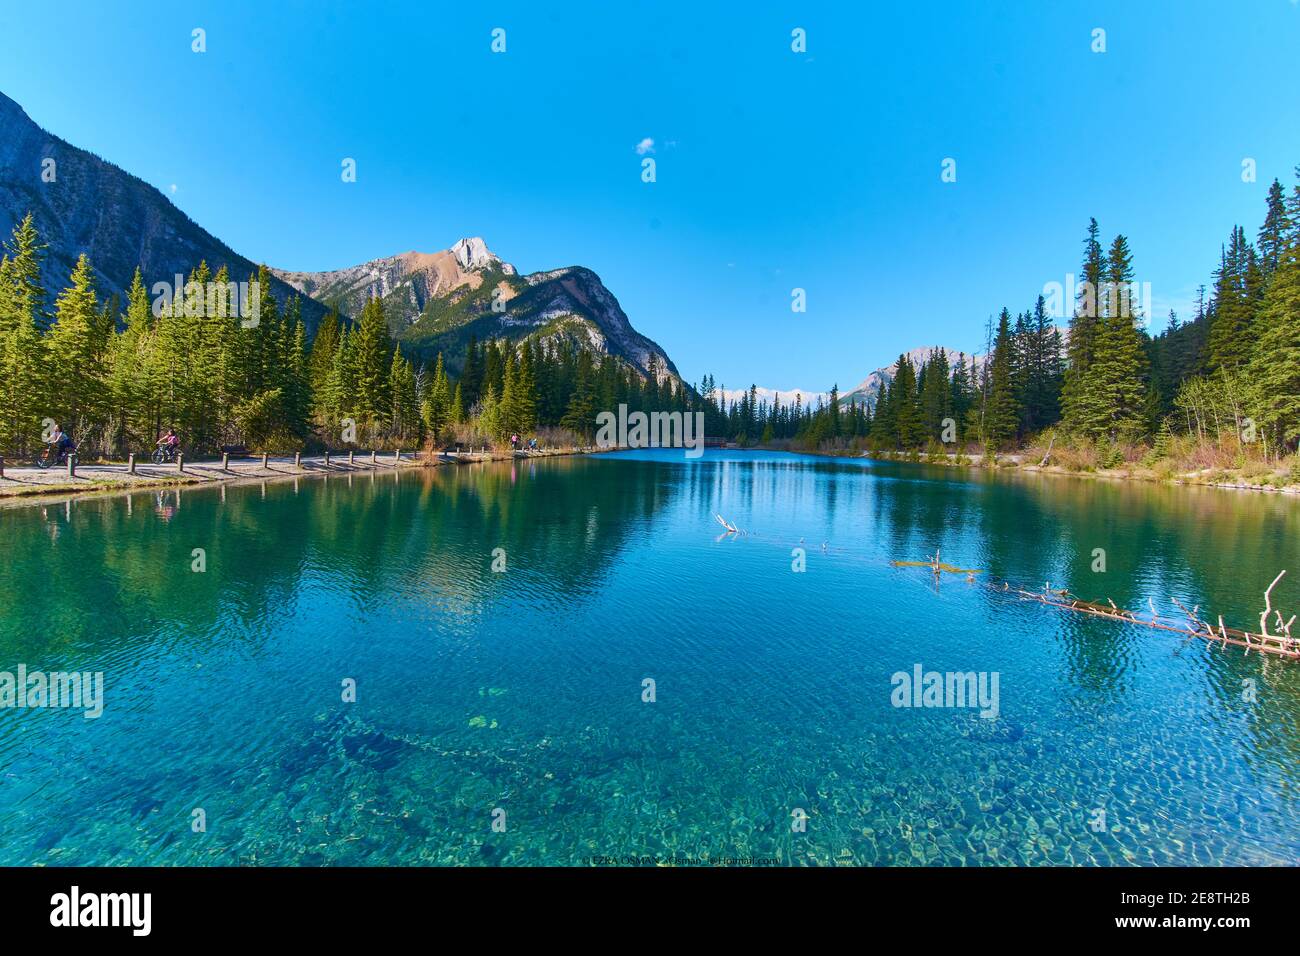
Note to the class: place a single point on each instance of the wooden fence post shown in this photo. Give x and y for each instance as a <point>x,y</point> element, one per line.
<point>130,463</point>
<point>266,457</point>
<point>397,459</point>
<point>72,466</point>
<point>374,457</point>
<point>327,457</point>
<point>225,461</point>
<point>352,456</point>
<point>297,459</point>
<point>180,461</point>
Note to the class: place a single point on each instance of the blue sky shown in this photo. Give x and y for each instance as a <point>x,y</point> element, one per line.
<point>775,170</point>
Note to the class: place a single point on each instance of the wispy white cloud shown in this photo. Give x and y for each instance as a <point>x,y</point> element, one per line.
<point>646,145</point>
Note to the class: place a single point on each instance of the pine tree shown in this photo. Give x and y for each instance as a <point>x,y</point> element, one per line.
<point>458,406</point>
<point>78,390</point>
<point>1001,416</point>
<point>1228,346</point>
<point>509,393</point>
<point>23,363</point>
<point>489,416</point>
<point>26,252</point>
<point>471,376</point>
<point>1275,367</point>
<point>323,347</point>
<point>405,417</point>
<point>936,396</point>
<point>1273,233</point>
<point>1117,381</point>
<point>372,349</point>
<point>1084,331</point>
<point>128,381</point>
<point>526,396</point>
<point>437,410</point>
<point>884,421</point>
<point>903,400</point>
<point>580,413</point>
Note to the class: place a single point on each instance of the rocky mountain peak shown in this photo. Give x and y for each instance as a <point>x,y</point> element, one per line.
<point>473,253</point>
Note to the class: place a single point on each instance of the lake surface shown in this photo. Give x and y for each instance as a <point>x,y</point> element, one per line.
<point>522,691</point>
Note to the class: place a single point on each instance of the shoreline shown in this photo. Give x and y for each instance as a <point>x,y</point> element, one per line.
<point>29,485</point>
<point>1012,464</point>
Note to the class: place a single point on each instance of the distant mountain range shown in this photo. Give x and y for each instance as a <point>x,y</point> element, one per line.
<point>434,301</point>
<point>870,387</point>
<point>866,390</point>
<point>806,396</point>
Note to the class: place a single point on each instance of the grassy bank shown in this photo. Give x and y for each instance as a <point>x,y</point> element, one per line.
<point>1226,464</point>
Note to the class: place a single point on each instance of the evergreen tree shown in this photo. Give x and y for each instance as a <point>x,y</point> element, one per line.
<point>1084,331</point>
<point>1275,366</point>
<point>437,409</point>
<point>1117,381</point>
<point>1273,233</point>
<point>404,418</point>
<point>903,401</point>
<point>323,348</point>
<point>128,381</point>
<point>936,397</point>
<point>526,392</point>
<point>1228,346</point>
<point>372,349</point>
<point>1001,416</point>
<point>24,372</point>
<point>76,349</point>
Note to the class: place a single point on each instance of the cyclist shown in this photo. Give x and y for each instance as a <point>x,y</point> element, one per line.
<point>60,445</point>
<point>169,443</point>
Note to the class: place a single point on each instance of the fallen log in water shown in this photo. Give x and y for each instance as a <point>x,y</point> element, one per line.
<point>1283,644</point>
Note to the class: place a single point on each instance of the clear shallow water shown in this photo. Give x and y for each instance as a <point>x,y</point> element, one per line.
<point>522,690</point>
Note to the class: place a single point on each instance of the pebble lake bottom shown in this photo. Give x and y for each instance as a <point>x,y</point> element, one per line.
<point>518,697</point>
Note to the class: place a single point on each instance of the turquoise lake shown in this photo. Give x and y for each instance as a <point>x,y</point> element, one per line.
<point>517,695</point>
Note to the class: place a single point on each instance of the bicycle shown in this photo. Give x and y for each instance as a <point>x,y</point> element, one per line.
<point>163,454</point>
<point>47,460</point>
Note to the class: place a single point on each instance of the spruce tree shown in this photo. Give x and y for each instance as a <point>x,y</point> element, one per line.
<point>24,373</point>
<point>78,390</point>
<point>1001,417</point>
<point>526,397</point>
<point>372,351</point>
<point>1275,366</point>
<point>1228,346</point>
<point>1117,381</point>
<point>1273,233</point>
<point>903,400</point>
<point>128,381</point>
<point>1084,330</point>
